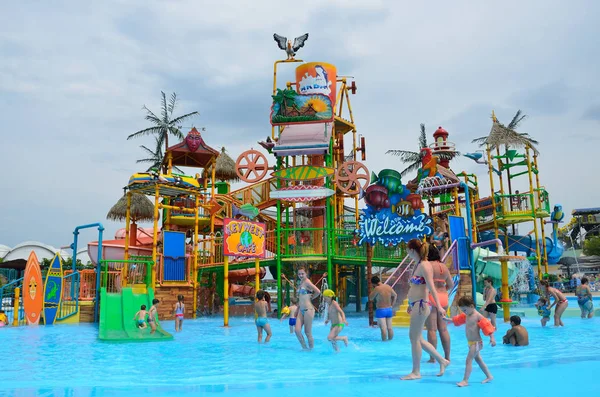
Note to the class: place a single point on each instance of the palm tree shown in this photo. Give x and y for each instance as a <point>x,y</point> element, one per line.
<point>164,125</point>
<point>414,158</point>
<point>507,135</point>
<point>155,157</point>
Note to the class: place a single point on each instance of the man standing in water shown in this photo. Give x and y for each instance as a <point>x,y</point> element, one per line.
<point>385,298</point>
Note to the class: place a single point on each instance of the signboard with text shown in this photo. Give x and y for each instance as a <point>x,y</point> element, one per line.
<point>244,238</point>
<point>393,214</point>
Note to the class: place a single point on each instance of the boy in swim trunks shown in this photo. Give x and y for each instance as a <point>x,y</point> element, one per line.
<point>140,317</point>
<point>385,297</point>
<point>490,307</point>
<point>542,307</point>
<point>292,312</point>
<point>153,315</point>
<point>517,335</point>
<point>474,322</point>
<point>337,317</point>
<point>260,309</point>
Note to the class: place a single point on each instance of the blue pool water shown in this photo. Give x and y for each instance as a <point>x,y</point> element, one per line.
<point>207,359</point>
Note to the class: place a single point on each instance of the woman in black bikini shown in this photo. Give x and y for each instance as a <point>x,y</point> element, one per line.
<point>307,291</point>
<point>420,308</point>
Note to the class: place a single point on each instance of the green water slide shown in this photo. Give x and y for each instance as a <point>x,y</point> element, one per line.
<point>116,317</point>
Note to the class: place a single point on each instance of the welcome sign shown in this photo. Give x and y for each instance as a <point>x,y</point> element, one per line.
<point>393,214</point>
<point>392,229</point>
<point>244,238</point>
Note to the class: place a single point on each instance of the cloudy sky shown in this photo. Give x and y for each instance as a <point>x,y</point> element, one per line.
<point>74,78</point>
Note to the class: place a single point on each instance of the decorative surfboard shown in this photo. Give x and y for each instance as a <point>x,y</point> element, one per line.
<point>303,173</point>
<point>33,291</point>
<point>301,193</point>
<point>53,290</point>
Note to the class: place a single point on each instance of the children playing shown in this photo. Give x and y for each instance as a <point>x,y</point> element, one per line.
<point>490,307</point>
<point>542,308</point>
<point>153,315</point>
<point>475,322</point>
<point>291,312</point>
<point>140,317</point>
<point>337,317</point>
<point>260,308</point>
<point>179,313</point>
<point>517,335</point>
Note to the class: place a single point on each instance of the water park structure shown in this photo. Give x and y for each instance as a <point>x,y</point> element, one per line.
<point>301,206</point>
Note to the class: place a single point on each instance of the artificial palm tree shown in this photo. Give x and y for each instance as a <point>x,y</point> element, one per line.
<point>414,158</point>
<point>507,135</point>
<point>155,157</point>
<point>164,125</point>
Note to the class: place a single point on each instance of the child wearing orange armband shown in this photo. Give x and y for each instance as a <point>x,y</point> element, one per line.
<point>475,322</point>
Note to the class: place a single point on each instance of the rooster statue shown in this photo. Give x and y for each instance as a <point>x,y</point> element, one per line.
<point>286,45</point>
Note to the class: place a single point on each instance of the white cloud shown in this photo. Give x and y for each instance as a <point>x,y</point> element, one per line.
<point>74,76</point>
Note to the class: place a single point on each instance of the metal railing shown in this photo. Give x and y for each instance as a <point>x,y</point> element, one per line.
<point>304,242</point>
<point>7,302</point>
<point>70,306</point>
<point>119,273</point>
<point>87,285</point>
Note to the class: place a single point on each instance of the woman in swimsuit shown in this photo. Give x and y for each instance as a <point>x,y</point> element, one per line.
<point>419,308</point>
<point>584,299</point>
<point>560,301</point>
<point>443,283</point>
<point>307,291</point>
<point>438,239</point>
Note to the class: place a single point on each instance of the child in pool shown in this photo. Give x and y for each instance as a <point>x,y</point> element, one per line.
<point>291,312</point>
<point>153,315</point>
<point>260,308</point>
<point>140,317</point>
<point>337,317</point>
<point>517,335</point>
<point>179,313</point>
<point>3,319</point>
<point>542,308</point>
<point>475,321</point>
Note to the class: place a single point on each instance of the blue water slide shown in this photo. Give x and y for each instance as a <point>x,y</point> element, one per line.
<point>526,245</point>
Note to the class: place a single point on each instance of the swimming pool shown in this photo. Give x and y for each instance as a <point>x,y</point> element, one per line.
<point>206,359</point>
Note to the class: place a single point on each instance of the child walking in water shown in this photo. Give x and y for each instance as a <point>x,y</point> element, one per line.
<point>140,317</point>
<point>260,308</point>
<point>337,317</point>
<point>475,322</point>
<point>179,313</point>
<point>292,312</point>
<point>153,315</point>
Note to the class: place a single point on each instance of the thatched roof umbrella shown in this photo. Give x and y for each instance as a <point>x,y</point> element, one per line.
<point>502,135</point>
<point>142,209</point>
<point>225,168</point>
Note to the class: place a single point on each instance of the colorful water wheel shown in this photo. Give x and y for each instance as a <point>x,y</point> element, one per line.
<point>351,177</point>
<point>251,166</point>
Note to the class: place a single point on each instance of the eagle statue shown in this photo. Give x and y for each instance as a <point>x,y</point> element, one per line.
<point>286,45</point>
